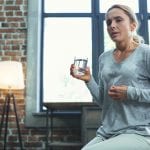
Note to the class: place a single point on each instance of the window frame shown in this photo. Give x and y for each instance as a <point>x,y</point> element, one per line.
<point>34,48</point>
<point>90,15</point>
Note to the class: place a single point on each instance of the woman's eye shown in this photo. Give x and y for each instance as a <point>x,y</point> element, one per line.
<point>118,20</point>
<point>108,22</point>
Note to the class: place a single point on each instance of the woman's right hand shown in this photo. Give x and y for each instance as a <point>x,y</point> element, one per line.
<point>86,77</point>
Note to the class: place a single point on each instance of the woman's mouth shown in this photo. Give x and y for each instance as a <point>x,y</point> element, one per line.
<point>114,34</point>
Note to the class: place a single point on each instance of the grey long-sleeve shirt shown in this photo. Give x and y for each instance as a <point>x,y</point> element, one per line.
<point>131,115</point>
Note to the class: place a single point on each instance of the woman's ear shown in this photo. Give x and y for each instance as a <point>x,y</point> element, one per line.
<point>133,26</point>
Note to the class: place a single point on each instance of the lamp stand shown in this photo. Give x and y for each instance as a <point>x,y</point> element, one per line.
<point>6,109</point>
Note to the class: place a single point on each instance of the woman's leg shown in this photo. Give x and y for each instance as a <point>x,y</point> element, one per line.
<point>122,142</point>
<point>94,141</point>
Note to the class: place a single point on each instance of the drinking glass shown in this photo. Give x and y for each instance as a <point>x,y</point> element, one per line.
<point>80,65</point>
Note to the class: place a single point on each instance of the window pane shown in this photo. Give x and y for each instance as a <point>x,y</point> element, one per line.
<point>108,43</point>
<point>57,6</point>
<point>148,6</point>
<point>105,4</point>
<point>65,38</point>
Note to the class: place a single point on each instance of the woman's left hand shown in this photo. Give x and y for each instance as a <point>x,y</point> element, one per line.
<point>118,92</point>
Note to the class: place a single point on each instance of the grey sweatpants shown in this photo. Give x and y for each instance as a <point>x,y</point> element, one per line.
<point>120,142</point>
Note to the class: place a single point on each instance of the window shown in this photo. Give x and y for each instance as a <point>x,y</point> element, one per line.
<point>65,38</point>
<point>148,6</point>
<point>83,19</point>
<point>104,5</point>
<point>67,33</point>
<point>70,6</point>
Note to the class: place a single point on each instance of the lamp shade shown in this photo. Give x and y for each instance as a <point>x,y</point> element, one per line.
<point>11,75</point>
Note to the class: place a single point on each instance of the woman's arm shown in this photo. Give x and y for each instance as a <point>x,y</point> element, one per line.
<point>96,91</point>
<point>123,92</point>
<point>140,95</point>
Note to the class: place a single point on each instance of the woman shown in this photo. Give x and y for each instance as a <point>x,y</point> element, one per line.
<point>123,91</point>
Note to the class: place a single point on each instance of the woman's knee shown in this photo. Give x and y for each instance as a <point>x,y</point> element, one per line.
<point>120,142</point>
<point>94,141</point>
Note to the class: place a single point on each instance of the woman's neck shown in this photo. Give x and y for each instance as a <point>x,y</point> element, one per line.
<point>126,46</point>
<point>123,50</point>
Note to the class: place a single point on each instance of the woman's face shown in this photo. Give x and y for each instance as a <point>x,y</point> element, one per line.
<point>119,25</point>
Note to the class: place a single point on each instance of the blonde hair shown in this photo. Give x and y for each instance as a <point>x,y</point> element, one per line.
<point>132,16</point>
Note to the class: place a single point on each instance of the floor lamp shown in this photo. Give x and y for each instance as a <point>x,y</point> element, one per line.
<point>11,78</point>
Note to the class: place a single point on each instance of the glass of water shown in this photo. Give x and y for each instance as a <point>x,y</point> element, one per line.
<point>80,65</point>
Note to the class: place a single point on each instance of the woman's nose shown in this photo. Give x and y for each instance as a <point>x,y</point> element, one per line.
<point>113,24</point>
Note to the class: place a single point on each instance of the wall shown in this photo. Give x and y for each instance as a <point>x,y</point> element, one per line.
<point>13,46</point>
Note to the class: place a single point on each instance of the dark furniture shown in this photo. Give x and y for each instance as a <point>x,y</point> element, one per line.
<point>89,123</point>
